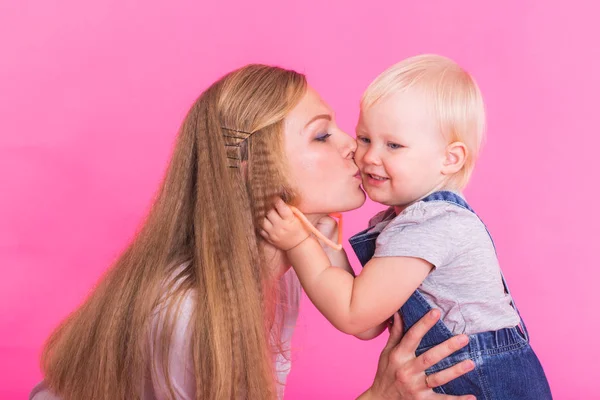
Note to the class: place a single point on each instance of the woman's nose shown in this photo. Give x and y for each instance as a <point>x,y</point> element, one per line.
<point>349,148</point>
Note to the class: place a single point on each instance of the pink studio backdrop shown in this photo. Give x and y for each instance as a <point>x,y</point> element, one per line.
<point>92,94</point>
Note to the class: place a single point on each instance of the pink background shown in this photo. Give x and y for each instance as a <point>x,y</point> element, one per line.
<point>92,94</point>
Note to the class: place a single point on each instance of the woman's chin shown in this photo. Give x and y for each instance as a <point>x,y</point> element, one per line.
<point>353,202</point>
<point>333,203</point>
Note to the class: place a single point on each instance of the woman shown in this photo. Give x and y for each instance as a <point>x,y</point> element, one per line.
<point>198,297</point>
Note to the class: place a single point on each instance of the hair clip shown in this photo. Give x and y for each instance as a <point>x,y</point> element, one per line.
<point>238,144</point>
<point>235,137</point>
<point>236,130</point>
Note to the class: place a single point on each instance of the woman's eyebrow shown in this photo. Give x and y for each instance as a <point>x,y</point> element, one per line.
<point>316,117</point>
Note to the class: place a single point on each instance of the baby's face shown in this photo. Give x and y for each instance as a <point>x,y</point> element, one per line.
<point>401,150</point>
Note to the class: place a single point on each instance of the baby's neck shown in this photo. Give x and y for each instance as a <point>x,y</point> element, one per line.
<point>442,187</point>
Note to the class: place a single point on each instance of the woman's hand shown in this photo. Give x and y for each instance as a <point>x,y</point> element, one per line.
<point>401,374</point>
<point>328,227</point>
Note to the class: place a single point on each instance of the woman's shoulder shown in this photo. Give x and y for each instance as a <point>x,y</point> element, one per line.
<point>42,392</point>
<point>176,305</point>
<point>173,316</point>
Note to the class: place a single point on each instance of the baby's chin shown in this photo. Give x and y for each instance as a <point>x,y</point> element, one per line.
<point>377,197</point>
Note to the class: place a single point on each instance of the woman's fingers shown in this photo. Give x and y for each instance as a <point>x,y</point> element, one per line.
<point>395,332</point>
<point>448,397</point>
<point>413,336</point>
<point>441,351</point>
<point>442,377</point>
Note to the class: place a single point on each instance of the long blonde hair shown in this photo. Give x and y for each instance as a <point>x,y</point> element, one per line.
<point>228,165</point>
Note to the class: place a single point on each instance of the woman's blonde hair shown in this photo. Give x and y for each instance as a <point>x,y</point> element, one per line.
<point>456,98</point>
<point>228,165</point>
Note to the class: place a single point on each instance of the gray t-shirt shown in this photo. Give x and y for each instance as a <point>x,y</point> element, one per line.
<point>466,283</point>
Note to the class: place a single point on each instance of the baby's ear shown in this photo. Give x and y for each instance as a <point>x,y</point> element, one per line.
<point>456,155</point>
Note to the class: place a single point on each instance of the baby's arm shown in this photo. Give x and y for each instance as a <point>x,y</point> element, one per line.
<point>340,259</point>
<point>373,332</point>
<point>352,305</point>
<point>329,228</point>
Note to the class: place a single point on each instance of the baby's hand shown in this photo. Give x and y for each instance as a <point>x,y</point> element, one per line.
<point>282,228</point>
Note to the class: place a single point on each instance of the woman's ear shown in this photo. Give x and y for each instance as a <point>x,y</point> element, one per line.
<point>456,155</point>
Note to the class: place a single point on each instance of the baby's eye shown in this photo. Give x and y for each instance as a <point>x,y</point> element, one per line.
<point>394,145</point>
<point>364,140</point>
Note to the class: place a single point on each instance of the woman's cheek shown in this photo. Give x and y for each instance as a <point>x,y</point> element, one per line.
<point>312,167</point>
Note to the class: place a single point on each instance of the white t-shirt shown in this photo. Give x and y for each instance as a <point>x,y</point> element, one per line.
<point>180,356</point>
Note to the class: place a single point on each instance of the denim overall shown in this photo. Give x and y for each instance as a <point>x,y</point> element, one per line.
<point>506,368</point>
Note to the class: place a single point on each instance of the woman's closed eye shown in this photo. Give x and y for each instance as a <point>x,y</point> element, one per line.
<point>322,137</point>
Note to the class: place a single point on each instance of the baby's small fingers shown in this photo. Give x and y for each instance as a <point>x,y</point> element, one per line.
<point>273,216</point>
<point>267,226</point>
<point>284,211</point>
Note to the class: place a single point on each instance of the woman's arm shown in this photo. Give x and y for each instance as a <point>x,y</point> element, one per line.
<point>401,375</point>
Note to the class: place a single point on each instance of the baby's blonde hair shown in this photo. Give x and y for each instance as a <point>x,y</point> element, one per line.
<point>457,100</point>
